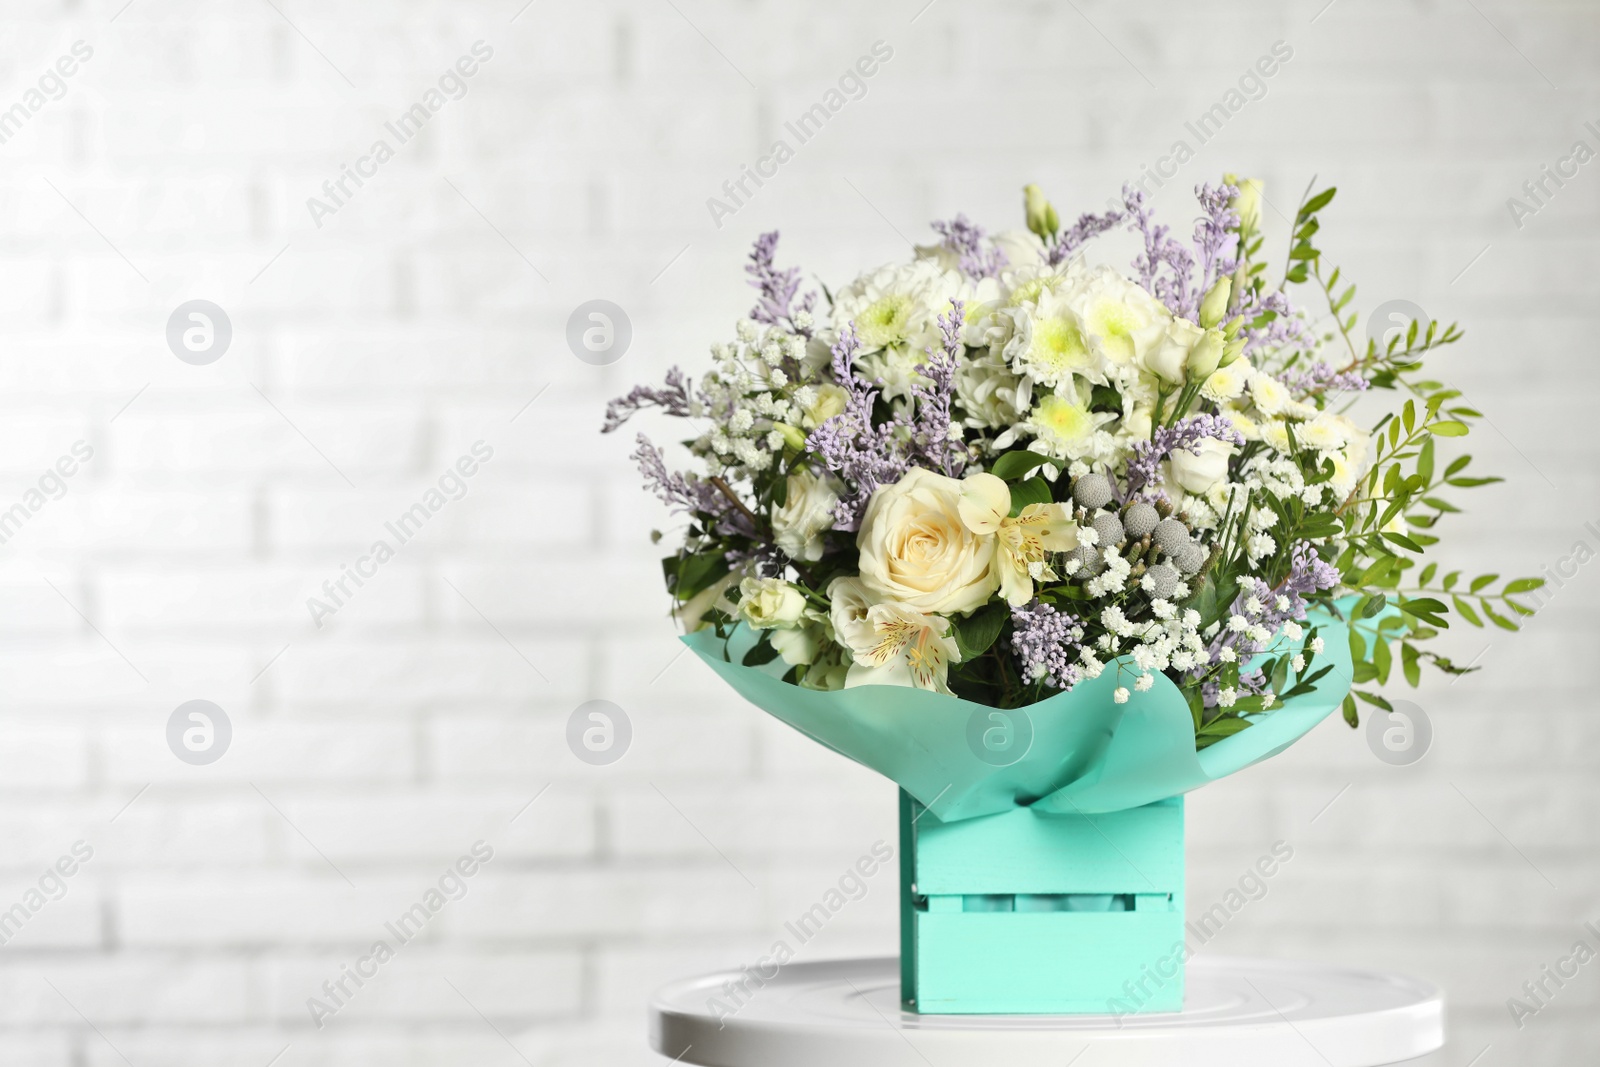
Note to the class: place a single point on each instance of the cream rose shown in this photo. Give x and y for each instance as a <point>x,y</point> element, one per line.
<point>915,548</point>
<point>807,514</point>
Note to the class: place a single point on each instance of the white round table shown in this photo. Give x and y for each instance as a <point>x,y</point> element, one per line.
<point>1237,1013</point>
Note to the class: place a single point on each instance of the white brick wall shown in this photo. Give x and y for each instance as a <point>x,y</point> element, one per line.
<point>369,754</point>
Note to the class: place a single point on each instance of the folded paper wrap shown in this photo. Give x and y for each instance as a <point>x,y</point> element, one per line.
<point>1078,752</point>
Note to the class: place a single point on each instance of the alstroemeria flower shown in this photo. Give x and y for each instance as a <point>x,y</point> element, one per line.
<point>1022,541</point>
<point>903,645</point>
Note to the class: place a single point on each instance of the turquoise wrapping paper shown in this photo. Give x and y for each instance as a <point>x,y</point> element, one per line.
<point>1088,754</point>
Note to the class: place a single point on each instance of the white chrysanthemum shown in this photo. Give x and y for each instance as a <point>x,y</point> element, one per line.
<point>990,394</point>
<point>1050,344</point>
<point>1269,394</point>
<point>1063,427</point>
<point>895,312</point>
<point>1025,284</point>
<point>1227,383</point>
<point>1324,432</point>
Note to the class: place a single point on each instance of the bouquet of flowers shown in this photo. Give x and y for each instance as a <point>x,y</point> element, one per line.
<point>1002,470</point>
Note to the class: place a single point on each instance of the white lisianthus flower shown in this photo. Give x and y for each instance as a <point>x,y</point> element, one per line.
<point>798,646</point>
<point>917,550</point>
<point>906,647</point>
<point>807,514</point>
<point>826,401</point>
<point>771,603</point>
<point>848,601</point>
<point>1021,542</point>
<point>1022,248</point>
<point>1123,320</point>
<point>1199,473</point>
<point>1166,358</point>
<point>1324,432</point>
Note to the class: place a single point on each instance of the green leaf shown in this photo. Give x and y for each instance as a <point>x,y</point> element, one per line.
<point>1471,483</point>
<point>1382,660</point>
<point>1425,460</point>
<point>1374,699</point>
<point>761,652</point>
<point>1403,541</point>
<point>1448,428</point>
<point>1033,491</point>
<point>1318,202</point>
<point>1374,605</point>
<point>1014,465</point>
<point>1482,580</point>
<point>1451,579</point>
<point>1217,729</point>
<point>975,633</point>
<point>1411,664</point>
<point>1464,609</point>
<point>1427,574</point>
<point>1350,714</point>
<point>1524,585</point>
<point>688,575</point>
<point>1498,619</point>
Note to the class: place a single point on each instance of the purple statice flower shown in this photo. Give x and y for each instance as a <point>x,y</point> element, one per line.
<point>686,495</point>
<point>1088,227</point>
<point>1175,289</point>
<point>1213,234</point>
<point>1321,378</point>
<point>1144,469</point>
<point>932,426</point>
<point>864,455</point>
<point>1283,326</point>
<point>777,287</point>
<point>673,398</point>
<point>1045,641</point>
<point>965,239</point>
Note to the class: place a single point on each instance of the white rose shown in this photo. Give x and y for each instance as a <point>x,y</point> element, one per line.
<point>1167,357</point>
<point>771,603</point>
<point>807,513</point>
<point>915,548</point>
<point>1197,474</point>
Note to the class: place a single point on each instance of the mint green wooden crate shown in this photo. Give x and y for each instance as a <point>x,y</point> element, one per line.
<point>1026,913</point>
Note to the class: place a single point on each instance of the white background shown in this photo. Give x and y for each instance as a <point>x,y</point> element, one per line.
<point>370,352</point>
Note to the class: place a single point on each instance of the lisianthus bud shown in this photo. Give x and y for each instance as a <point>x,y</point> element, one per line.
<point>1232,351</point>
<point>1215,304</point>
<point>792,437</point>
<point>1248,203</point>
<point>1205,356</point>
<point>1041,217</point>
